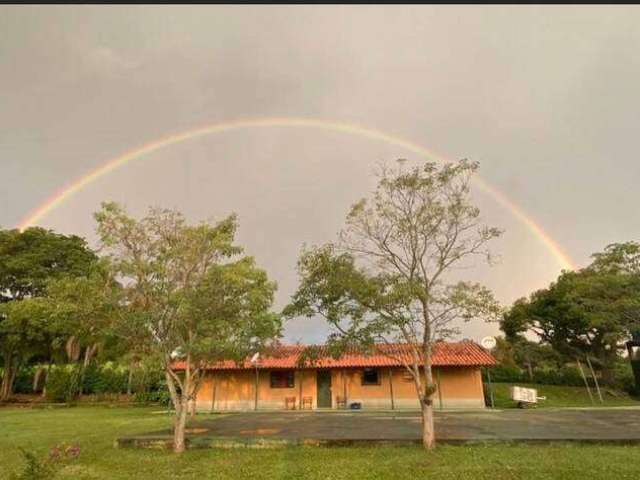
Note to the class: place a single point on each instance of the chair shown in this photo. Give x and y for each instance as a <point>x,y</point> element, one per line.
<point>290,403</point>
<point>341,402</point>
<point>307,403</point>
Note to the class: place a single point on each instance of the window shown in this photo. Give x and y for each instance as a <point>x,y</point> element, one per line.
<point>282,379</point>
<point>370,377</point>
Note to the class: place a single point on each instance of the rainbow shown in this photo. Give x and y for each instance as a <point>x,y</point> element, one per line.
<point>62,195</point>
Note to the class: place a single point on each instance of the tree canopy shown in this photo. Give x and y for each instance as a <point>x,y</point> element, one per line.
<point>29,259</point>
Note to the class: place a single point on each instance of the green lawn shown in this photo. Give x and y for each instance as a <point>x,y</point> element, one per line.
<point>561,396</point>
<point>95,428</point>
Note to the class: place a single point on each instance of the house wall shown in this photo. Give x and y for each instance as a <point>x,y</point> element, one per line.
<point>235,390</point>
<point>460,387</point>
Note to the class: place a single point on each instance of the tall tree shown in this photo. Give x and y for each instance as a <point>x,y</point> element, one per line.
<point>586,313</point>
<point>29,260</point>
<point>83,311</point>
<point>189,296</point>
<point>24,331</point>
<point>390,277</point>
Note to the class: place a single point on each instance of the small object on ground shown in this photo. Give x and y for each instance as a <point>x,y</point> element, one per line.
<point>355,406</point>
<point>290,403</point>
<point>525,397</point>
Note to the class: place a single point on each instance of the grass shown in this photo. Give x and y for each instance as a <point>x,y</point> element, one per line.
<point>562,396</point>
<point>95,428</point>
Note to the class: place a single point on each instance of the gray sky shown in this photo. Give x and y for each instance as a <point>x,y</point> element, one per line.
<point>545,98</point>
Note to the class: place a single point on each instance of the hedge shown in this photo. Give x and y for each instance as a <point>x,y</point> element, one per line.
<point>63,382</point>
<point>569,376</point>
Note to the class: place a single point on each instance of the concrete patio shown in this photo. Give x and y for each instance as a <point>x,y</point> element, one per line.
<point>621,425</point>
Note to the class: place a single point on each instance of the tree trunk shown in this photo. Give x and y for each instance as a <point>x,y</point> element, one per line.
<point>8,377</point>
<point>428,431</point>
<point>88,356</point>
<point>130,380</point>
<point>179,426</point>
<point>37,377</point>
<point>83,368</point>
<point>180,400</point>
<point>46,378</point>
<point>426,402</point>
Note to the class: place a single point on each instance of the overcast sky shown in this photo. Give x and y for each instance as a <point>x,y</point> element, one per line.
<point>546,99</point>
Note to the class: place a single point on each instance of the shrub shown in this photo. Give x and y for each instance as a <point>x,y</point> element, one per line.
<point>504,374</point>
<point>63,383</point>
<point>24,380</point>
<point>105,379</point>
<point>624,378</point>
<point>149,386</point>
<point>34,468</point>
<point>155,396</point>
<point>569,376</point>
<point>46,468</point>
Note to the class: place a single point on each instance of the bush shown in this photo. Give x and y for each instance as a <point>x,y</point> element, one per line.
<point>503,374</point>
<point>624,378</point>
<point>105,379</point>
<point>155,396</point>
<point>150,386</point>
<point>24,380</point>
<point>34,468</point>
<point>569,376</point>
<point>46,468</point>
<point>63,383</point>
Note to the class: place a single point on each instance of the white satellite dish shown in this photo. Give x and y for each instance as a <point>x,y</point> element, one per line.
<point>254,359</point>
<point>488,342</point>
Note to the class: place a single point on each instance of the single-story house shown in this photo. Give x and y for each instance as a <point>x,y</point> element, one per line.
<point>280,379</point>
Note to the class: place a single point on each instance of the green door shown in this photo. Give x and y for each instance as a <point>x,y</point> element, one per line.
<point>323,382</point>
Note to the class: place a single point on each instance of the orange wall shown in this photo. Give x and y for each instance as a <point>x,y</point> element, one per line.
<point>235,390</point>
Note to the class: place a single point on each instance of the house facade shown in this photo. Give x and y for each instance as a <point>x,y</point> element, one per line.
<point>280,379</point>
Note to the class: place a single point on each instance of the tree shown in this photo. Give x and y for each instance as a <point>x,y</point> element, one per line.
<point>189,297</point>
<point>390,278</point>
<point>29,260</point>
<point>83,310</point>
<point>24,332</point>
<point>587,313</point>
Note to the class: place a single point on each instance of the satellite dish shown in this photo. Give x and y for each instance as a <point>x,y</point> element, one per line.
<point>254,359</point>
<point>488,342</point>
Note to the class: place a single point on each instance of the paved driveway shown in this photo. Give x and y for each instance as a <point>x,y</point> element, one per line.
<point>532,425</point>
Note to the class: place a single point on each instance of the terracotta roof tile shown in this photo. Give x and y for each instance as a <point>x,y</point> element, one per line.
<point>460,354</point>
